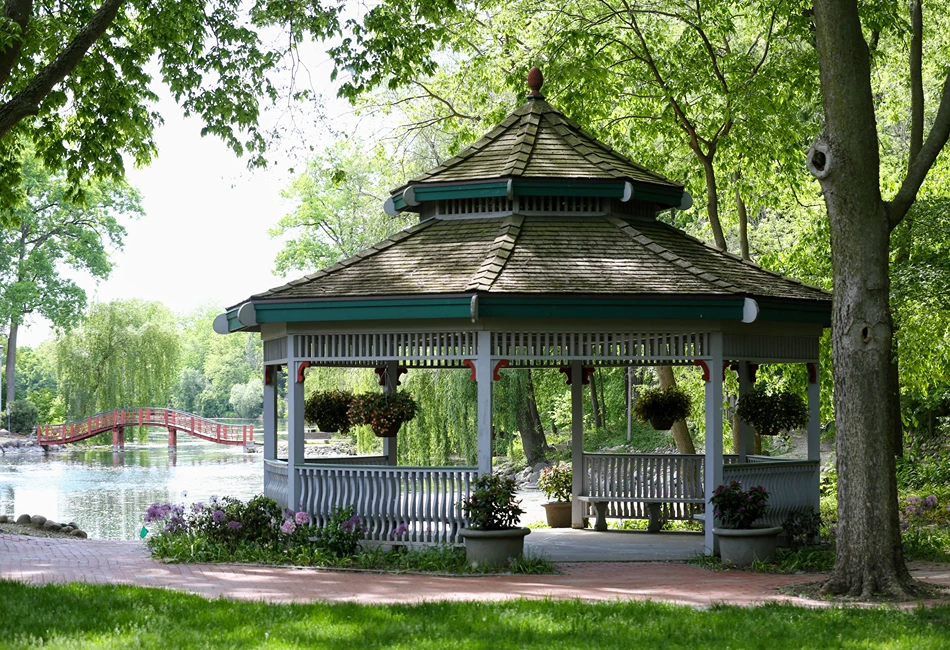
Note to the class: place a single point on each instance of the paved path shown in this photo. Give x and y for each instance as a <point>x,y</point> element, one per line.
<point>41,560</point>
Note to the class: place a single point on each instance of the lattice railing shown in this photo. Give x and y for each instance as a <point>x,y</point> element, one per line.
<point>275,482</point>
<point>792,485</point>
<point>405,347</point>
<point>426,500</point>
<point>599,346</point>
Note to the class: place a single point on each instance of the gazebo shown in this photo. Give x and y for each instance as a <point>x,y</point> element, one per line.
<point>536,247</point>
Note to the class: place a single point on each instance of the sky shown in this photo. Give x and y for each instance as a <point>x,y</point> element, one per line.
<point>203,238</point>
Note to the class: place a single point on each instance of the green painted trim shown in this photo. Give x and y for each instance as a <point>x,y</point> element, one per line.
<point>570,188</point>
<point>817,314</point>
<point>474,191</point>
<point>233,323</point>
<point>364,310</point>
<point>398,202</point>
<point>605,308</point>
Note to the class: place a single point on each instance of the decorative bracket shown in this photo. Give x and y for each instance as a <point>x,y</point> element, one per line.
<point>812,372</point>
<point>381,371</point>
<point>301,366</point>
<point>470,364</point>
<point>268,375</point>
<point>504,363</point>
<point>586,372</point>
<point>702,364</point>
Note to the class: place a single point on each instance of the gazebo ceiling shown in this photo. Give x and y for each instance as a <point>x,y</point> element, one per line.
<point>590,248</point>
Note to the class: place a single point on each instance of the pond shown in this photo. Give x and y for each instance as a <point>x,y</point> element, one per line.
<point>107,493</point>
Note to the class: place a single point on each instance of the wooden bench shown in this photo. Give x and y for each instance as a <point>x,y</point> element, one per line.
<point>653,503</point>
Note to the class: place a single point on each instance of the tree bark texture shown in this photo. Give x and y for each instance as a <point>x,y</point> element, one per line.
<point>845,159</point>
<point>595,403</point>
<point>743,227</point>
<point>529,425</point>
<point>684,442</point>
<point>10,371</point>
<point>712,200</point>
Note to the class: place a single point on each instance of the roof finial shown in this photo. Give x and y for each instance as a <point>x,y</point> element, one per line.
<point>535,81</point>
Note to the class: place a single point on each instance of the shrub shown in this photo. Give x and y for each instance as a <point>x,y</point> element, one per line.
<point>736,508</point>
<point>329,410</point>
<point>342,534</point>
<point>771,412</point>
<point>556,482</point>
<point>22,417</point>
<point>665,404</point>
<point>801,527</point>
<point>492,504</point>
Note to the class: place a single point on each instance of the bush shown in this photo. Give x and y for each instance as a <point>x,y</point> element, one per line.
<point>771,412</point>
<point>492,504</point>
<point>662,404</point>
<point>736,508</point>
<point>802,527</point>
<point>22,417</point>
<point>557,482</point>
<point>329,410</point>
<point>342,534</point>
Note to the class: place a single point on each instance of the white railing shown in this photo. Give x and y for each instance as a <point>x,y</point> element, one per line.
<point>425,499</point>
<point>599,346</point>
<point>792,484</point>
<point>275,481</point>
<point>345,460</point>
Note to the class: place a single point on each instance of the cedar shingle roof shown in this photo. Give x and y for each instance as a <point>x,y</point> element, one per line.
<point>543,255</point>
<point>538,142</point>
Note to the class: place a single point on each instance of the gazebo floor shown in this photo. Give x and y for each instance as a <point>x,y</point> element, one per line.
<point>569,545</point>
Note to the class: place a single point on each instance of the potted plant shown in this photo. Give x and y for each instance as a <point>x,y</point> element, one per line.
<point>661,407</point>
<point>770,412</point>
<point>384,412</point>
<point>556,482</point>
<point>328,410</point>
<point>493,537</point>
<point>735,511</point>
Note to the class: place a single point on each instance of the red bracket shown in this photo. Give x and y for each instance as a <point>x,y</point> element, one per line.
<point>268,375</point>
<point>471,364</point>
<point>753,368</point>
<point>702,364</point>
<point>586,372</point>
<point>504,363</point>
<point>812,373</point>
<point>381,371</point>
<point>301,366</point>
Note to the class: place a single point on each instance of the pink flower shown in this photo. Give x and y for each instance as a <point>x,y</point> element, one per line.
<point>288,527</point>
<point>302,518</point>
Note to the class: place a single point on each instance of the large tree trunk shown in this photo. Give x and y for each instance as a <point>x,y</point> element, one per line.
<point>10,371</point>
<point>529,425</point>
<point>684,442</point>
<point>845,159</point>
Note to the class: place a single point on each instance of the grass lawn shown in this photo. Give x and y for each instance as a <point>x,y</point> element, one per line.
<point>94,616</point>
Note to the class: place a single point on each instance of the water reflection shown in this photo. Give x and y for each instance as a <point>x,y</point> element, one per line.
<point>107,493</point>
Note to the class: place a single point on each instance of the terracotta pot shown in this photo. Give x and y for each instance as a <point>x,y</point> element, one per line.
<point>740,546</point>
<point>558,514</point>
<point>389,432</point>
<point>494,548</point>
<point>661,423</point>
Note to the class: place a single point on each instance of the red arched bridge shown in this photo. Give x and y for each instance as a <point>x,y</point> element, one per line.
<point>116,421</point>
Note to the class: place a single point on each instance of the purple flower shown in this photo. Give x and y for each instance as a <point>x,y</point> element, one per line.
<point>197,507</point>
<point>288,527</point>
<point>234,525</point>
<point>833,530</point>
<point>302,518</point>
<point>350,524</point>
<point>930,502</point>
<point>913,500</point>
<point>904,525</point>
<point>400,530</point>
<point>218,516</point>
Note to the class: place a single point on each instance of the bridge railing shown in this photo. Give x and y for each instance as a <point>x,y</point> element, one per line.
<point>169,418</point>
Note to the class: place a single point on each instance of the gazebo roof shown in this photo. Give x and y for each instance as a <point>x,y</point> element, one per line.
<point>537,220</point>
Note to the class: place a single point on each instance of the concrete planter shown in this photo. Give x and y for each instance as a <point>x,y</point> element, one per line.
<point>558,514</point>
<point>740,546</point>
<point>493,548</point>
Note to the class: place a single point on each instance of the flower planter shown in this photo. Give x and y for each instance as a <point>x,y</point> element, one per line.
<point>558,514</point>
<point>493,548</point>
<point>388,432</point>
<point>740,546</point>
<point>661,424</point>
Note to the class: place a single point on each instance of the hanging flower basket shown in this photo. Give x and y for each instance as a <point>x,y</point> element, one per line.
<point>662,423</point>
<point>772,411</point>
<point>383,412</point>
<point>661,407</point>
<point>328,410</point>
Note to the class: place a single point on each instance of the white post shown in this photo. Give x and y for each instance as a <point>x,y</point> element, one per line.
<point>391,378</point>
<point>746,432</point>
<point>577,443</point>
<point>295,432</point>
<point>814,428</point>
<point>713,460</point>
<point>270,413</point>
<point>483,375</point>
<point>629,403</point>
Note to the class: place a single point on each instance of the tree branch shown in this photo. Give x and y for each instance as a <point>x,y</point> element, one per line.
<point>916,80</point>
<point>27,101</point>
<point>19,12</point>
<point>936,140</point>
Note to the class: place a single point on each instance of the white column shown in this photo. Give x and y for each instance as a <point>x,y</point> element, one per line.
<point>483,375</point>
<point>746,431</point>
<point>391,376</point>
<point>270,413</point>
<point>295,432</point>
<point>814,428</point>
<point>577,443</point>
<point>713,460</point>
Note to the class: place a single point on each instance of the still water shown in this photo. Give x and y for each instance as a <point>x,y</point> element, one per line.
<point>107,493</point>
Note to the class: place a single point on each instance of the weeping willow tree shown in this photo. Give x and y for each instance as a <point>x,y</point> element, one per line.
<point>444,431</point>
<point>126,354</point>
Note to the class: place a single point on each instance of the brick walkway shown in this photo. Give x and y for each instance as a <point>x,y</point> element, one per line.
<point>41,560</point>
